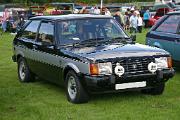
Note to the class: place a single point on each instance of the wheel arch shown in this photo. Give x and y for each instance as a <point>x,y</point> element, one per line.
<point>69,67</point>
<point>19,56</point>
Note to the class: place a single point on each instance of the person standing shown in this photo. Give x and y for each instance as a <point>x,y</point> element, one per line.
<point>119,18</point>
<point>140,23</point>
<point>96,10</point>
<point>29,14</point>
<point>21,22</point>
<point>107,12</point>
<point>133,23</point>
<point>84,10</point>
<point>4,19</point>
<point>126,21</point>
<point>146,18</point>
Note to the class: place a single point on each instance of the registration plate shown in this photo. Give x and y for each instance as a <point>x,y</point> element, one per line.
<point>130,85</point>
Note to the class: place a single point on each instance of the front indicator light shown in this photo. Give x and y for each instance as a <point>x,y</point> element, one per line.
<point>94,69</point>
<point>169,62</point>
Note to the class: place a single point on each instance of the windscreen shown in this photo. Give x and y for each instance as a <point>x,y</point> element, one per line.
<point>84,30</point>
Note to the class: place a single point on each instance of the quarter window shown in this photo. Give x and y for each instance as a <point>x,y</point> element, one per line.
<point>46,32</point>
<point>170,25</point>
<point>31,30</point>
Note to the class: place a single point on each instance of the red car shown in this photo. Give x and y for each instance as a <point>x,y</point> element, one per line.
<point>159,13</point>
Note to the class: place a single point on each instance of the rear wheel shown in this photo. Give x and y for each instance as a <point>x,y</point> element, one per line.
<point>24,73</point>
<point>158,90</point>
<point>74,89</point>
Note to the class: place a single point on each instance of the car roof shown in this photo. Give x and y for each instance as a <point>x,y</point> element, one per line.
<point>174,13</point>
<point>69,17</point>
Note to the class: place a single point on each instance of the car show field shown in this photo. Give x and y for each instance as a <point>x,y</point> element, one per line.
<point>41,100</point>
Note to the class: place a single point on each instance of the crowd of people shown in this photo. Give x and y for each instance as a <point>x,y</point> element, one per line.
<point>12,22</point>
<point>130,20</point>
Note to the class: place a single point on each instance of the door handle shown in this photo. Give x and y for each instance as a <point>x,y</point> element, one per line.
<point>35,46</point>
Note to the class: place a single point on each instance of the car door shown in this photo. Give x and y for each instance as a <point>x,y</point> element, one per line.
<point>165,35</point>
<point>48,65</point>
<point>177,45</point>
<point>26,39</point>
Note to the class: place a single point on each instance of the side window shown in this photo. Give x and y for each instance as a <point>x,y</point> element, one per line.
<point>31,30</point>
<point>46,32</point>
<point>170,25</point>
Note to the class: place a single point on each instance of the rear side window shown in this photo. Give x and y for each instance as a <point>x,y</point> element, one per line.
<point>31,30</point>
<point>170,25</point>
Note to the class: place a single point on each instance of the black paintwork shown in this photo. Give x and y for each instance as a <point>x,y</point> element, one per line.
<point>101,53</point>
<point>112,51</point>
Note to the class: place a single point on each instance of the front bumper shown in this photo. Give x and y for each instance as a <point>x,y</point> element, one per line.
<point>101,84</point>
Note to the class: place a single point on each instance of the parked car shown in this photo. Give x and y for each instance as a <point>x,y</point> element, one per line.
<point>161,10</point>
<point>147,7</point>
<point>161,5</point>
<point>37,10</point>
<point>169,5</point>
<point>159,13</point>
<point>166,34</point>
<point>60,8</point>
<point>88,54</point>
<point>113,9</point>
<point>11,8</point>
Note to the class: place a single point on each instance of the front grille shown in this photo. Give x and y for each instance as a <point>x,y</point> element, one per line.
<point>135,66</point>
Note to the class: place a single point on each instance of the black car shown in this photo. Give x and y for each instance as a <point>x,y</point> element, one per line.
<point>166,34</point>
<point>88,54</point>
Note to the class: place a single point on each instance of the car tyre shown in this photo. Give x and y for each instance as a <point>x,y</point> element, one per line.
<point>74,90</point>
<point>24,72</point>
<point>158,90</point>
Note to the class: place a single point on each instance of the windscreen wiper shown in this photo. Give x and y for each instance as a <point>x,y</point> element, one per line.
<point>121,39</point>
<point>91,41</point>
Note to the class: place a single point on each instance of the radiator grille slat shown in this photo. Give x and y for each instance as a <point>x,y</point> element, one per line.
<point>135,66</point>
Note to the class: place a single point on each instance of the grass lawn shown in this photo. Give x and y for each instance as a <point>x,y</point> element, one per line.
<point>43,101</point>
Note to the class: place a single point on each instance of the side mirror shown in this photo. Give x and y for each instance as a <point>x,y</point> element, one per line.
<point>133,38</point>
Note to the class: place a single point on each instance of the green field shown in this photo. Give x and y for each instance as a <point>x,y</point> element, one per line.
<point>43,101</point>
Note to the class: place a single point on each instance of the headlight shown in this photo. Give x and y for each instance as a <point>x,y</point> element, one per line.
<point>163,62</point>
<point>105,68</point>
<point>101,69</point>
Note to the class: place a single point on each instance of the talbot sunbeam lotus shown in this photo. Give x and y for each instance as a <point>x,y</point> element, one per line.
<point>88,54</point>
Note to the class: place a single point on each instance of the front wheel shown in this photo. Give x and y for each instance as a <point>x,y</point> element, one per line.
<point>24,73</point>
<point>74,89</point>
<point>157,90</point>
